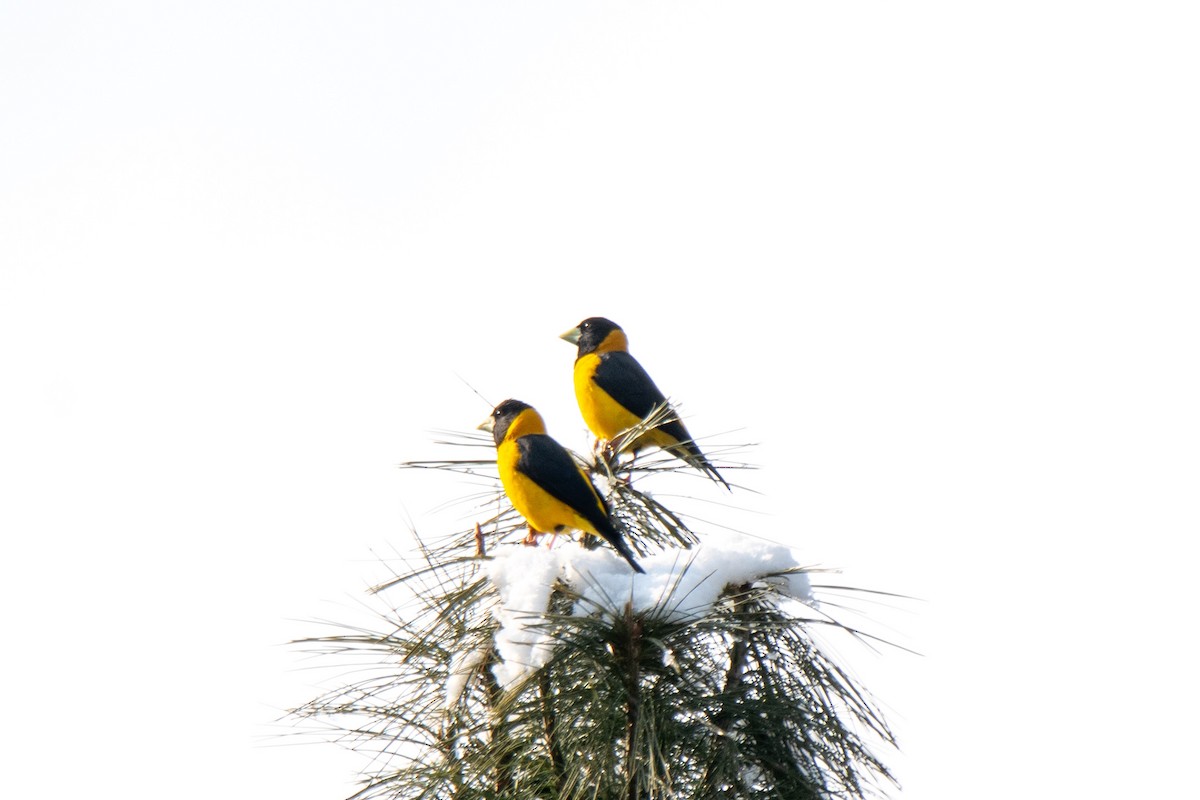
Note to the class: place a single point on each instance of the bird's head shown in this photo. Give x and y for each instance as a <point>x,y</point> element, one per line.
<point>513,419</point>
<point>597,335</point>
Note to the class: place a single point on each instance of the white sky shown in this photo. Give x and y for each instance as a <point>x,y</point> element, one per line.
<point>937,258</point>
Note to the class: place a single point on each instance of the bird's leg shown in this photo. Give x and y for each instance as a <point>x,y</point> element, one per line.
<point>531,539</point>
<point>479,550</point>
<point>608,452</point>
<point>612,456</point>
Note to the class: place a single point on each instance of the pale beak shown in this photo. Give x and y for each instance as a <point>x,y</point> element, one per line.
<point>486,425</point>
<point>572,335</point>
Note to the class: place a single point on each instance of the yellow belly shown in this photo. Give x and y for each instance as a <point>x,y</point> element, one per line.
<point>540,509</point>
<point>604,416</point>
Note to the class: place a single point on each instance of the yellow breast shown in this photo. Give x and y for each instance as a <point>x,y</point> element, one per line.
<point>604,416</point>
<point>541,510</point>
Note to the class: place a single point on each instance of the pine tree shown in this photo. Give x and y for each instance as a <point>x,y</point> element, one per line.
<point>504,671</point>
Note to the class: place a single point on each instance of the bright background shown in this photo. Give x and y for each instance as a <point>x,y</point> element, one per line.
<point>937,258</point>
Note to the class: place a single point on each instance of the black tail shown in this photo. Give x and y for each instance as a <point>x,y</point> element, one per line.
<point>685,448</point>
<point>615,538</point>
<point>711,470</point>
<point>623,549</point>
<point>689,452</point>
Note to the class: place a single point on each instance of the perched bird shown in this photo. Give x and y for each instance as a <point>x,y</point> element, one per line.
<point>615,393</point>
<point>543,482</point>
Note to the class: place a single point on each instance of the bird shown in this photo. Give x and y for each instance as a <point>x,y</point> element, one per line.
<point>615,393</point>
<point>544,483</point>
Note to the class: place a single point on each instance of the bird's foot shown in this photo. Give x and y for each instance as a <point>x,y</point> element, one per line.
<point>531,538</point>
<point>479,549</point>
<point>608,452</point>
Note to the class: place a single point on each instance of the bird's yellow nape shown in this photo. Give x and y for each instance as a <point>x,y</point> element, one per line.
<point>614,341</point>
<point>527,422</point>
<point>512,419</point>
<point>597,335</point>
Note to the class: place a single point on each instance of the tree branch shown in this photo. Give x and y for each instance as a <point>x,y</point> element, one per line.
<point>550,724</point>
<point>633,698</point>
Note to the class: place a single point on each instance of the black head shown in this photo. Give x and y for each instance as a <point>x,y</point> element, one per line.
<point>503,415</point>
<point>597,333</point>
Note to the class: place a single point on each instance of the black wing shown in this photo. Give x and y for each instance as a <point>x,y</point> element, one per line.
<point>550,466</point>
<point>626,381</point>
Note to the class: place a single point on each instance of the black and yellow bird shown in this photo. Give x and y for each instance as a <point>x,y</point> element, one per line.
<point>616,393</point>
<point>543,482</point>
